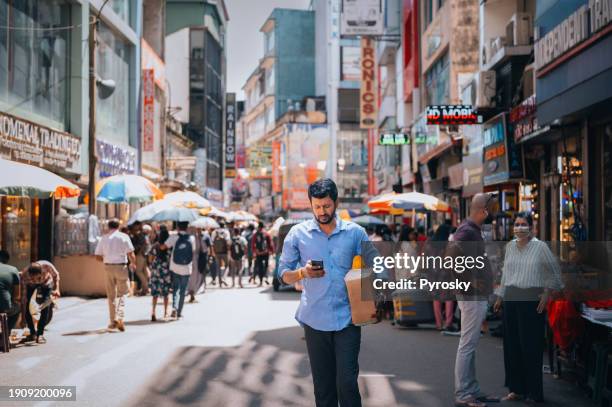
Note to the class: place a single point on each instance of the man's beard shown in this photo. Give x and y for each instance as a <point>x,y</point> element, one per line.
<point>326,219</point>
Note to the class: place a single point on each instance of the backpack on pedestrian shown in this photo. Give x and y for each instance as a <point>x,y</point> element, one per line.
<point>220,244</point>
<point>261,243</point>
<point>237,248</point>
<point>183,250</point>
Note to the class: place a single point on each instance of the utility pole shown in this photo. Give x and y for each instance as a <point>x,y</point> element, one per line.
<point>93,159</point>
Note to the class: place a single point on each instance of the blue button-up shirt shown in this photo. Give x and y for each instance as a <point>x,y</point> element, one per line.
<point>324,304</point>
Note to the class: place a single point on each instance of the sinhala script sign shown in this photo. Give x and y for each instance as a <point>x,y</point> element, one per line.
<point>362,17</point>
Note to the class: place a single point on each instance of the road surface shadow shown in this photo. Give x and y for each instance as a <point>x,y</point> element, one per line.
<point>91,332</point>
<point>397,368</point>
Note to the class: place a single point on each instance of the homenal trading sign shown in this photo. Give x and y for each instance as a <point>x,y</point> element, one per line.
<point>30,143</point>
<point>230,136</point>
<point>362,17</point>
<point>368,95</point>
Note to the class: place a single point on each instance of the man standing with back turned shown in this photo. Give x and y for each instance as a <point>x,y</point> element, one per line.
<point>115,249</point>
<point>320,252</point>
<point>468,241</point>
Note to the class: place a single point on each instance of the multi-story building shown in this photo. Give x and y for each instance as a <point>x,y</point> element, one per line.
<point>338,79</point>
<point>283,78</point>
<point>195,45</point>
<point>449,57</point>
<point>44,92</point>
<point>153,94</point>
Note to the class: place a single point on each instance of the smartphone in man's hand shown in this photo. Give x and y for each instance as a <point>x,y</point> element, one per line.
<point>316,264</point>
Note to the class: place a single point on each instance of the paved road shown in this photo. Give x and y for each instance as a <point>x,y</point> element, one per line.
<point>238,348</point>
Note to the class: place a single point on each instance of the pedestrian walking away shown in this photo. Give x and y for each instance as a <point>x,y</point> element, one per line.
<point>468,241</point>
<point>115,249</point>
<point>181,265</point>
<point>262,247</point>
<point>319,253</point>
<point>221,241</point>
<point>237,251</point>
<point>531,273</point>
<point>200,265</point>
<point>161,278</point>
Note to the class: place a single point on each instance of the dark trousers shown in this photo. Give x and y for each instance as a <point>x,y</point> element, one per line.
<point>179,287</point>
<point>45,315</point>
<point>261,266</point>
<point>523,348</point>
<point>334,362</point>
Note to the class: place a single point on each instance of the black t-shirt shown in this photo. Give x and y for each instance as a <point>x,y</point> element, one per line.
<point>9,277</point>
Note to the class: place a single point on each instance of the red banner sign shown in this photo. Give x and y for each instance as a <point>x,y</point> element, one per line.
<point>148,109</point>
<point>276,173</point>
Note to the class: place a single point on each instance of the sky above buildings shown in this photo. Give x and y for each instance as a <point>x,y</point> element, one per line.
<point>244,41</point>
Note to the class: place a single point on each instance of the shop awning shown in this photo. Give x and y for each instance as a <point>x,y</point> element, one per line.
<point>435,152</point>
<point>26,180</point>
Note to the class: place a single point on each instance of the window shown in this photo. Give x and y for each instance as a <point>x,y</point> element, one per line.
<point>270,81</point>
<point>122,9</point>
<point>351,70</point>
<point>437,82</point>
<point>34,73</point>
<point>113,112</point>
<point>429,11</point>
<point>269,42</point>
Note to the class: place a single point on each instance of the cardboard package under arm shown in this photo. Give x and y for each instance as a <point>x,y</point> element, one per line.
<point>363,308</point>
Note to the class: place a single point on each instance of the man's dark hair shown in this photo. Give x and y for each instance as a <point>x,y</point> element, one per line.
<point>525,215</point>
<point>113,224</point>
<point>322,188</point>
<point>236,232</point>
<point>182,225</point>
<point>251,227</point>
<point>221,224</point>
<point>35,268</point>
<point>4,257</point>
<point>260,225</point>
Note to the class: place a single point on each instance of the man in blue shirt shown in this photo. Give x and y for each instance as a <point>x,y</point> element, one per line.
<point>332,340</point>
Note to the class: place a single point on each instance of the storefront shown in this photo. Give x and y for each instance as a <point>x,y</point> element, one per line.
<point>573,106</point>
<point>26,225</point>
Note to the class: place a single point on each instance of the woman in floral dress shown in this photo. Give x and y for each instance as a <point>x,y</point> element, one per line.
<point>161,279</point>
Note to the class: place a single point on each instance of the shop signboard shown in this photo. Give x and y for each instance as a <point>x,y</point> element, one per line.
<point>148,109</point>
<point>230,135</point>
<point>394,139</point>
<point>31,143</point>
<point>362,17</point>
<point>502,159</point>
<point>114,159</point>
<point>276,171</point>
<point>524,120</point>
<point>582,24</point>
<point>451,115</point>
<point>472,160</point>
<point>368,95</point>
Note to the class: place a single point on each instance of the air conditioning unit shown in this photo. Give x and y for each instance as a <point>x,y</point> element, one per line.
<point>519,30</point>
<point>480,91</point>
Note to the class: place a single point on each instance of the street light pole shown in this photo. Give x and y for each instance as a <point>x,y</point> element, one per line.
<point>93,159</point>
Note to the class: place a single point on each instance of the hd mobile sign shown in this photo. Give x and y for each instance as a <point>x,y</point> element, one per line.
<point>451,115</point>
<point>362,17</point>
<point>230,136</point>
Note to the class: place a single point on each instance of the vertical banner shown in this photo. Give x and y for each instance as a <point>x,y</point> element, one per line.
<point>371,178</point>
<point>276,173</point>
<point>230,135</point>
<point>148,109</point>
<point>368,95</point>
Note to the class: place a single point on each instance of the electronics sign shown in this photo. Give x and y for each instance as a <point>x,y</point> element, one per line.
<point>452,115</point>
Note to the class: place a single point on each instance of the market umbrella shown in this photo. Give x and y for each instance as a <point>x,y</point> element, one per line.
<point>407,201</point>
<point>188,199</point>
<point>247,216</point>
<point>212,211</point>
<point>163,211</point>
<point>33,182</point>
<point>127,188</point>
<point>368,220</point>
<point>204,222</point>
